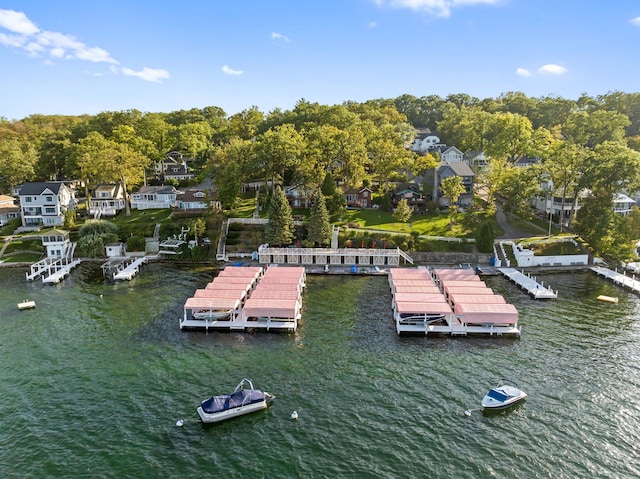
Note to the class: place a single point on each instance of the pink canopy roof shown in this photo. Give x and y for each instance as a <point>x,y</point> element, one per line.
<point>280,271</point>
<point>413,282</point>
<point>214,304</point>
<point>233,279</point>
<point>424,308</point>
<point>265,293</point>
<point>408,273</point>
<point>461,298</point>
<point>488,313</point>
<point>280,279</point>
<point>219,293</point>
<point>271,308</point>
<point>425,288</point>
<point>466,284</point>
<point>453,271</point>
<point>460,277</point>
<point>279,286</point>
<point>419,298</point>
<point>245,271</point>
<point>233,286</point>
<point>470,289</point>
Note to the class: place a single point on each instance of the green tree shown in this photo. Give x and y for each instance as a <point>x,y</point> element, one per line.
<point>277,150</point>
<point>403,212</point>
<point>452,188</point>
<point>319,229</point>
<point>279,231</point>
<point>17,162</point>
<point>486,236</point>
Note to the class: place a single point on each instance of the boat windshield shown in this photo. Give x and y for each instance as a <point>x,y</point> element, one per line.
<point>497,395</point>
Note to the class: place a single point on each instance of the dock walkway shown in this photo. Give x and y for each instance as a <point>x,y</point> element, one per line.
<point>61,273</point>
<point>618,278</point>
<point>529,284</point>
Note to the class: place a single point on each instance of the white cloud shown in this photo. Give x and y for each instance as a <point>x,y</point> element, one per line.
<point>17,22</point>
<point>15,41</point>
<point>279,36</point>
<point>635,21</point>
<point>25,35</point>
<point>373,24</point>
<point>523,72</point>
<point>551,69</point>
<point>147,74</point>
<point>437,8</point>
<point>230,71</point>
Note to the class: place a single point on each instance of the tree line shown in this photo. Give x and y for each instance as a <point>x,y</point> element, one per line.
<point>586,145</point>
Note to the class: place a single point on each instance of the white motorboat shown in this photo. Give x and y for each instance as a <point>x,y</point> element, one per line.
<point>505,394</point>
<point>243,400</point>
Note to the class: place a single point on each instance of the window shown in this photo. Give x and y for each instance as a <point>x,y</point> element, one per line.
<point>48,199</point>
<point>27,199</point>
<point>50,211</point>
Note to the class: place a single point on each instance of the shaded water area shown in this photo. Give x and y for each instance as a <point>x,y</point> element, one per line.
<point>95,378</point>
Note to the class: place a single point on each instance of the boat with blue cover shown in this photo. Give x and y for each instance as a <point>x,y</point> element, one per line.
<point>504,395</point>
<point>243,400</point>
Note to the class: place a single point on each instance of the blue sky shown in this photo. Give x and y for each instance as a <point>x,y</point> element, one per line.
<point>78,56</point>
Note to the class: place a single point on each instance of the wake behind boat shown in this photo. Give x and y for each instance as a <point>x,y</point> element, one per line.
<point>243,400</point>
<point>505,394</point>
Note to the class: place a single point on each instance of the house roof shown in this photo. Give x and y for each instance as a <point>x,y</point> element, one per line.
<point>526,161</point>
<point>458,168</point>
<point>193,196</point>
<point>6,199</point>
<point>166,189</point>
<point>9,209</point>
<point>108,187</point>
<point>37,188</point>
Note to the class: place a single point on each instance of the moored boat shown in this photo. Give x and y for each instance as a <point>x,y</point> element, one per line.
<point>243,400</point>
<point>504,395</point>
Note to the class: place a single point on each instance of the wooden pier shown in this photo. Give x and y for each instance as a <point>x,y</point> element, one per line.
<point>618,278</point>
<point>529,284</point>
<point>52,270</point>
<point>123,268</point>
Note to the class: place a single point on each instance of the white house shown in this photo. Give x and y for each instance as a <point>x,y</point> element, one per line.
<point>107,200</point>
<point>425,141</point>
<point>44,203</point>
<point>8,209</point>
<point>622,204</point>
<point>451,154</point>
<point>475,159</point>
<point>154,197</point>
<point>57,243</point>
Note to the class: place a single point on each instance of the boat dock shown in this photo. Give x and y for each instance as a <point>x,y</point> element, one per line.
<point>423,303</point>
<point>244,298</point>
<point>123,268</point>
<point>618,278</point>
<point>529,284</point>
<point>52,270</point>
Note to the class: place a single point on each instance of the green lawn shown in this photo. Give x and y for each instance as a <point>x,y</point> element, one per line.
<point>143,217</point>
<point>430,225</point>
<point>22,258</point>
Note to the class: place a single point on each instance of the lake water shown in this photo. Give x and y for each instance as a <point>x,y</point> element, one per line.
<point>95,378</point>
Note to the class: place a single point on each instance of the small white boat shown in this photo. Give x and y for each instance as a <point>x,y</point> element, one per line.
<point>243,400</point>
<point>212,315</point>
<point>26,304</point>
<point>504,395</point>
